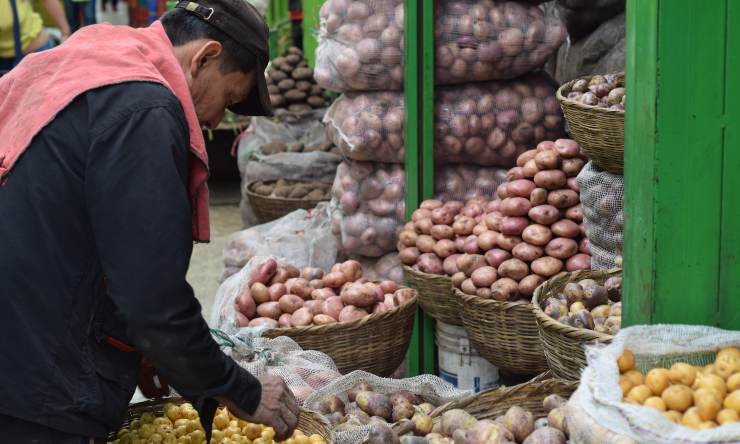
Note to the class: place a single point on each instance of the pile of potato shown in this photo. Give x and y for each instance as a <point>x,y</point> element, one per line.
<point>279,295</point>
<point>370,207</point>
<point>362,41</point>
<point>586,304</point>
<point>601,91</point>
<point>464,182</point>
<point>696,397</point>
<point>505,248</point>
<point>291,83</point>
<point>492,123</point>
<point>280,147</point>
<point>293,189</point>
<point>180,424</point>
<point>368,407</point>
<point>487,124</point>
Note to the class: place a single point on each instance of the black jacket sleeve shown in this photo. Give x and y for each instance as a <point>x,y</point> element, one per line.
<point>138,204</point>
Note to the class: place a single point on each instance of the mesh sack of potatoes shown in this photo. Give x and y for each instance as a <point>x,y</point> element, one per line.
<point>368,207</point>
<point>487,123</point>
<point>603,214</point>
<point>464,182</point>
<point>600,395</point>
<point>304,371</point>
<point>361,42</point>
<point>303,236</point>
<point>386,267</point>
<point>429,388</point>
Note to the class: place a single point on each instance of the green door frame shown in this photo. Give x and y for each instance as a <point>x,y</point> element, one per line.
<point>682,158</point>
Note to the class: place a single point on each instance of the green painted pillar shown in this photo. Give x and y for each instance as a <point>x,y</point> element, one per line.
<point>682,157</point>
<point>310,27</point>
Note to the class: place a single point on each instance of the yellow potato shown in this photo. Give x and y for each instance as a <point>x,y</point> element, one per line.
<point>682,373</point>
<point>220,421</point>
<point>135,424</point>
<point>173,412</point>
<point>726,416</point>
<point>252,431</point>
<point>678,397</point>
<point>302,439</point>
<point>217,435</point>
<point>316,439</point>
<point>639,394</point>
<point>657,379</point>
<point>184,440</point>
<point>733,382</point>
<point>712,382</point>
<point>147,418</point>
<point>147,430</point>
<point>625,384</point>
<point>729,351</point>
<point>732,401</point>
<point>626,362</point>
<point>708,403</point>
<point>122,432</point>
<point>691,418</point>
<point>635,377</point>
<point>156,439</point>
<point>656,403</point>
<point>707,425</point>
<point>268,434</point>
<point>181,430</point>
<point>726,365</point>
<point>673,416</point>
<point>197,437</point>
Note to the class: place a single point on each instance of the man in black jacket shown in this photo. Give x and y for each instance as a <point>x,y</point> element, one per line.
<point>95,241</point>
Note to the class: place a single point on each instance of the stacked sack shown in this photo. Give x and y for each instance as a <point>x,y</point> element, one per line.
<point>481,127</point>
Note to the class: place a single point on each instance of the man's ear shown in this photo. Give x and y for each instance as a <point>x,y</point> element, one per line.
<point>208,52</point>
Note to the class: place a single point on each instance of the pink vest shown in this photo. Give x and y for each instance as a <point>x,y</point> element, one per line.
<point>43,84</point>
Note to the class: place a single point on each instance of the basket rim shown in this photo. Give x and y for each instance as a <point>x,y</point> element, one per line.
<point>599,109</point>
<point>251,193</point>
<point>501,305</point>
<point>547,322</point>
<point>329,328</point>
<point>439,277</point>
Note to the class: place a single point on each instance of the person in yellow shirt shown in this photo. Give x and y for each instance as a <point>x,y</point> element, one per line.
<point>21,26</point>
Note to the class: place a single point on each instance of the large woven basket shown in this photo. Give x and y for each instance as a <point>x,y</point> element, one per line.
<point>308,422</point>
<point>528,395</point>
<point>436,297</point>
<point>562,343</point>
<point>267,208</point>
<point>375,343</point>
<point>599,131</point>
<point>505,333</point>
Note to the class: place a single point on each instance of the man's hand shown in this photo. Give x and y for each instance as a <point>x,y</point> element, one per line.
<point>277,409</point>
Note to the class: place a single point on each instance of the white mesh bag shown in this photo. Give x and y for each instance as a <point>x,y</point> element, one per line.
<point>603,214</point>
<point>600,396</point>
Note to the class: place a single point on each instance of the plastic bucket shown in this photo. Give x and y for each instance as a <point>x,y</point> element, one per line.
<point>459,363</point>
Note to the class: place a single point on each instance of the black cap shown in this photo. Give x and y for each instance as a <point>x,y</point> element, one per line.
<point>241,21</point>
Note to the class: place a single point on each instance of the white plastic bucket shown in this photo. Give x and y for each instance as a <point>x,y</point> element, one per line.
<point>459,363</point>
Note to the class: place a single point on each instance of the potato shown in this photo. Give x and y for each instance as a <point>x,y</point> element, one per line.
<point>269,310</point>
<point>678,397</point>
<point>552,402</point>
<point>625,384</point>
<point>712,382</point>
<point>264,273</point>
<point>335,279</point>
<point>467,263</point>
<point>708,403</point>
<point>556,419</point>
<point>246,304</point>
<point>546,435</point>
<point>579,262</point>
<point>409,256</point>
<point>444,248</point>
<point>544,214</point>
<point>691,418</point>
<point>455,419</point>
<point>547,160</point>
<point>429,263</point>
<point>496,256</point>
<point>638,394</point>
<point>515,206</point>
<point>514,268</point>
<point>520,188</point>
<point>732,401</point>
<point>635,377</point>
<point>374,404</point>
<point>504,289</point>
<point>657,380</point>
<point>727,364</point>
<point>575,213</point>
<point>673,416</point>
<point>537,235</point>
<point>439,232</point>
<point>563,198</point>
<point>527,252</point>
<point>358,295</point>
<point>514,226</point>
<point>733,382</point>
<point>289,303</point>
<point>682,373</point>
<point>727,416</point>
<point>351,313</point>
<point>258,322</point>
<point>547,266</point>
<point>550,179</point>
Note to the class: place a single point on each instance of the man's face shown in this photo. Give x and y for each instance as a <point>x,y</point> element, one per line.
<point>213,90</point>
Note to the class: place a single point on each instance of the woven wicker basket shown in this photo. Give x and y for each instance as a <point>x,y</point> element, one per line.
<point>436,297</point>
<point>563,344</point>
<point>375,343</point>
<point>308,422</point>
<point>529,395</point>
<point>267,209</point>
<point>599,131</point>
<point>505,333</point>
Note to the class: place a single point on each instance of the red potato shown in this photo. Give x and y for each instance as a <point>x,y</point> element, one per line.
<point>547,266</point>
<point>352,270</point>
<point>241,320</point>
<point>264,273</point>
<point>515,206</point>
<point>322,319</point>
<point>567,148</point>
<point>380,308</point>
<point>529,284</point>
<point>440,232</point>
<point>316,284</point>
<point>483,292</point>
<point>468,263</point>
<point>301,318</point>
<point>480,228</point>
<point>508,242</point>
<point>352,313</point>
<point>322,294</point>
<point>537,197</point>
<point>259,322</point>
<point>358,295</point>
<point>314,306</point>
<point>429,263</point>
<point>550,179</point>
<point>530,169</point>
<point>463,226</point>
<point>514,226</point>
<point>527,252</point>
<point>332,306</point>
<point>300,287</point>
<point>493,220</point>
<point>565,228</point>
<point>431,204</point>
<point>563,198</point>
<point>284,320</point>
<point>468,287</point>
<point>571,167</point>
<point>280,277</point>
<point>561,248</point>
<point>269,310</point>
<point>584,246</point>
<point>292,271</point>
<point>515,173</point>
<point>245,304</point>
<point>388,286</point>
<point>311,273</point>
<point>575,213</point>
<point>421,214</point>
<point>470,245</point>
<point>501,191</point>
<point>525,157</point>
<point>484,276</point>
<point>545,145</point>
<point>407,237</point>
<point>519,188</point>
<point>442,216</point>
<point>454,205</point>
<point>536,234</point>
<point>573,185</point>
<point>487,240</point>
<point>423,226</point>
<point>504,289</point>
<point>444,248</point>
<point>578,262</point>
<point>334,279</point>
<point>403,296</point>
<point>547,160</point>
<point>449,265</point>
<point>496,256</point>
<point>409,256</point>
<point>513,268</point>
<point>425,243</point>
<point>458,278</point>
<point>289,303</point>
<point>544,214</point>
